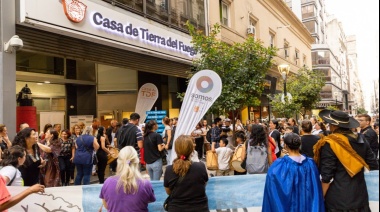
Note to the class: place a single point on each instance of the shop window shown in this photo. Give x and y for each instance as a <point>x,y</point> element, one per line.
<point>36,63</point>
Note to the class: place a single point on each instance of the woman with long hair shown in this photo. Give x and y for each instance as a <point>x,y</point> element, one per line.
<point>66,157</point>
<point>50,151</point>
<point>85,145</point>
<point>14,157</point>
<point>153,145</point>
<point>199,140</point>
<point>127,190</point>
<point>293,181</point>
<point>102,153</point>
<point>30,170</point>
<point>185,180</point>
<point>167,137</point>
<point>258,140</point>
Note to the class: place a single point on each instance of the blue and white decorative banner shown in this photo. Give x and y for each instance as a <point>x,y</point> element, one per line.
<point>146,98</point>
<point>203,90</point>
<point>241,193</point>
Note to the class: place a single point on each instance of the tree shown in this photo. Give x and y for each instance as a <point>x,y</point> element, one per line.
<point>241,67</point>
<point>305,87</point>
<point>361,110</point>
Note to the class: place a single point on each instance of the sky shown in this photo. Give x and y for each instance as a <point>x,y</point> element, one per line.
<point>361,18</point>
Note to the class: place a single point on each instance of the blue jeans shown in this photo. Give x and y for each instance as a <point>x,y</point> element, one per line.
<point>155,169</point>
<point>83,173</point>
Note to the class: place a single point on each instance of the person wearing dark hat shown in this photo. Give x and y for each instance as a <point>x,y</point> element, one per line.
<point>342,157</point>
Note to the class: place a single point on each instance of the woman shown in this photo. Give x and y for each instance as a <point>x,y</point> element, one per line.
<point>5,143</point>
<point>167,137</point>
<point>292,122</point>
<point>292,182</point>
<point>272,144</point>
<point>307,139</point>
<point>276,135</point>
<point>186,181</point>
<point>127,190</point>
<point>153,145</point>
<point>76,131</point>
<point>14,157</point>
<point>46,128</point>
<point>102,153</point>
<point>240,139</point>
<point>30,170</point>
<point>258,141</point>
<point>320,129</point>
<point>85,146</point>
<point>198,135</point>
<point>50,151</point>
<point>239,126</point>
<point>66,157</point>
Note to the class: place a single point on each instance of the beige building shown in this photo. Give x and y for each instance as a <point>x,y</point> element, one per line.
<point>274,23</point>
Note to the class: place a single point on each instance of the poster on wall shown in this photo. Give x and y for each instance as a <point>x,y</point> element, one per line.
<point>203,90</point>
<point>86,119</point>
<point>52,118</point>
<point>147,96</point>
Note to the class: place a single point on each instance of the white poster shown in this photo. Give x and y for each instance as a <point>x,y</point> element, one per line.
<point>203,90</point>
<point>86,119</point>
<point>52,118</point>
<point>146,98</point>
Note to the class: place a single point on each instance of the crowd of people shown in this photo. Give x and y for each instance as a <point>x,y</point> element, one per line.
<point>319,165</point>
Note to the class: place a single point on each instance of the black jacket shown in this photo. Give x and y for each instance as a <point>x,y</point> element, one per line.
<point>371,136</point>
<point>346,193</point>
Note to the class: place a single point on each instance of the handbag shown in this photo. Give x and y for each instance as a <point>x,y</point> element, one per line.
<point>211,160</point>
<point>114,156</point>
<point>94,157</point>
<point>170,197</point>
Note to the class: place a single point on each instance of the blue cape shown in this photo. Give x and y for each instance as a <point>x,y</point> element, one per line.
<point>292,186</point>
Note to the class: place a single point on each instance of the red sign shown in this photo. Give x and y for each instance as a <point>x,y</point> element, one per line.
<point>75,10</point>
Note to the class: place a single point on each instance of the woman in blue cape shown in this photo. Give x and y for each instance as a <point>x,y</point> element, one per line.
<point>293,182</point>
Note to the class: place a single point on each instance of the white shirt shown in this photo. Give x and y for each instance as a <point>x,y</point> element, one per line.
<point>316,132</point>
<point>224,155</point>
<point>10,171</point>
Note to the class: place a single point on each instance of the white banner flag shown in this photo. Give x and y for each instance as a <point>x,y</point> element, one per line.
<point>146,98</point>
<point>203,90</point>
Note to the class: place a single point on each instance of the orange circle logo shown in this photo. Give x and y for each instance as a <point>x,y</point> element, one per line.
<point>75,10</point>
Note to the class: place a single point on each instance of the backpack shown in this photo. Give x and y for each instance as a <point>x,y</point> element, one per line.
<point>127,136</point>
<point>257,160</point>
<point>208,135</point>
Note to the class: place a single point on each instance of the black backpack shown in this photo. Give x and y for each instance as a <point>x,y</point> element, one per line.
<point>208,135</point>
<point>127,136</point>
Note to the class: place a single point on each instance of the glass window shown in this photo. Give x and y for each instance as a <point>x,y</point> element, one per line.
<point>42,104</point>
<point>271,40</point>
<point>224,14</point>
<point>182,11</point>
<point>58,104</point>
<point>308,11</point>
<point>37,63</point>
<point>311,26</point>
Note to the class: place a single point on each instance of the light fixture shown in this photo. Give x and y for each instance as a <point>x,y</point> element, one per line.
<point>264,109</point>
<point>284,70</point>
<point>47,82</point>
<point>39,83</point>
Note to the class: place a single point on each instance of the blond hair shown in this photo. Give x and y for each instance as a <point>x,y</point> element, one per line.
<point>128,170</point>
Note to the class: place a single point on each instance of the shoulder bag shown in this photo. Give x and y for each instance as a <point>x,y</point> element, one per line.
<point>94,157</point>
<point>170,197</point>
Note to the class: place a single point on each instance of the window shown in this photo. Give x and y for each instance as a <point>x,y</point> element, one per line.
<point>188,8</point>
<point>224,14</point>
<point>308,11</point>
<point>271,39</point>
<point>304,60</point>
<point>296,56</point>
<point>312,26</point>
<point>289,3</point>
<point>286,49</point>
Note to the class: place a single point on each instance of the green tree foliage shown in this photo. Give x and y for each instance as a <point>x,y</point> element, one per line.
<point>241,66</point>
<point>361,110</point>
<point>305,87</point>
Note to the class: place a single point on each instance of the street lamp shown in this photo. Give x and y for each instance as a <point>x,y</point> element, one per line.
<point>284,71</point>
<point>336,99</point>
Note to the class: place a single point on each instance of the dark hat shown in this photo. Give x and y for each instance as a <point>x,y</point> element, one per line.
<point>339,118</point>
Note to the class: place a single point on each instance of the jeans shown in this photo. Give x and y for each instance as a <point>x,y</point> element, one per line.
<point>155,169</point>
<point>83,173</point>
<point>65,166</point>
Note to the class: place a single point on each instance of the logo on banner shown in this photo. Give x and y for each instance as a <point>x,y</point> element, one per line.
<point>205,84</point>
<point>75,10</point>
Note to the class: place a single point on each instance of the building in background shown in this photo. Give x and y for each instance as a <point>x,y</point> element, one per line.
<point>91,57</point>
<point>274,23</point>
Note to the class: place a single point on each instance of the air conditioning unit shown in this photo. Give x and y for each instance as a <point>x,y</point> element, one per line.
<point>251,30</point>
<point>286,53</point>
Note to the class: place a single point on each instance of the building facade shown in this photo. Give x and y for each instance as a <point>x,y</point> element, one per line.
<point>273,23</point>
<point>91,57</point>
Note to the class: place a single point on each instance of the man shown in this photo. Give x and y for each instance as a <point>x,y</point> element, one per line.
<point>216,131</point>
<point>369,134</point>
<point>110,130</point>
<point>342,157</point>
<point>58,128</point>
<point>129,134</point>
<point>23,126</point>
<point>292,122</point>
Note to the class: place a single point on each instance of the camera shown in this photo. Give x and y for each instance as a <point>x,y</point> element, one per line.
<point>15,43</point>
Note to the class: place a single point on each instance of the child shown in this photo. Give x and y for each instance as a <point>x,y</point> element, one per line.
<point>224,155</point>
